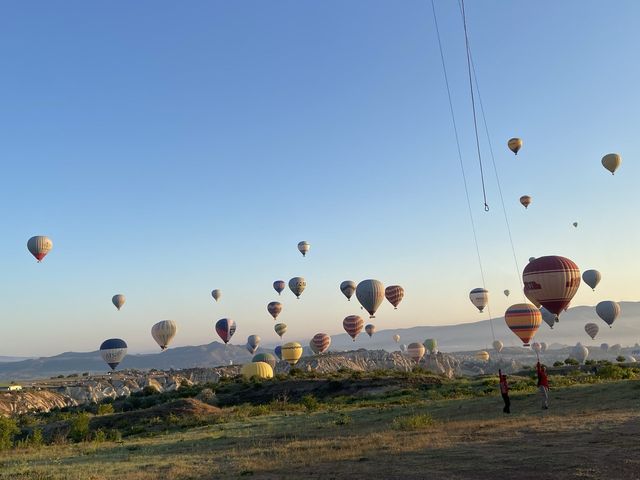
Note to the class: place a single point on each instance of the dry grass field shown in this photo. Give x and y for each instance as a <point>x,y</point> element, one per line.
<point>591,431</point>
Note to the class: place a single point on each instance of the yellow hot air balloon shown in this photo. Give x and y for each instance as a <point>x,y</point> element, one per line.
<point>291,352</point>
<point>514,144</point>
<point>261,370</point>
<point>525,200</point>
<point>39,246</point>
<point>611,162</point>
<point>483,356</point>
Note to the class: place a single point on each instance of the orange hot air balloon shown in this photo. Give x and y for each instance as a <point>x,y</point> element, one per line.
<point>353,325</point>
<point>395,294</point>
<point>524,320</point>
<point>551,281</point>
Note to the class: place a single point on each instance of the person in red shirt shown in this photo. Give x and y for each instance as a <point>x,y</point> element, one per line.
<point>504,391</point>
<point>543,385</point>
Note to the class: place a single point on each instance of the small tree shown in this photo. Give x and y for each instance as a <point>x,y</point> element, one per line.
<point>8,430</point>
<point>558,364</point>
<point>79,431</point>
<point>571,361</point>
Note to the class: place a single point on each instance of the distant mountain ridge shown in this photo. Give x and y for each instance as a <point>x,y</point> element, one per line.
<point>451,338</point>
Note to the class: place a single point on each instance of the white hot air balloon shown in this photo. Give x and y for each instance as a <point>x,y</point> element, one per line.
<point>396,338</point>
<point>536,347</point>
<point>118,300</point>
<point>370,294</point>
<point>216,294</point>
<point>304,248</point>
<point>580,353</point>
<point>608,311</point>
<point>479,297</point>
<point>163,332</point>
<point>39,246</point>
<point>498,345</point>
<point>297,286</point>
<point>591,278</point>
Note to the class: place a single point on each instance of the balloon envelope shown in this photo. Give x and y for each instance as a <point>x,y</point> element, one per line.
<point>591,278</point>
<point>118,300</point>
<point>416,351</point>
<point>297,286</point>
<point>498,345</point>
<point>524,320</point>
<point>225,328</point>
<point>304,247</point>
<point>543,347</point>
<point>280,329</point>
<point>321,341</point>
<point>370,329</point>
<point>591,329</point>
<point>431,345</point>
<point>580,353</point>
<point>163,332</point>
<point>274,309</point>
<point>279,286</point>
<point>608,311</point>
<point>506,293</point>
<point>113,351</point>
<point>536,347</point>
<point>216,294</point>
<point>479,297</point>
<point>261,370</point>
<point>266,358</point>
<point>353,325</point>
<point>552,281</point>
<point>291,352</point>
<point>525,200</point>
<point>348,288</point>
<point>370,294</point>
<point>548,317</point>
<point>483,356</point>
<point>611,162</point>
<point>514,144</point>
<point>394,294</point>
<point>39,246</point>
<point>396,338</point>
<point>278,352</point>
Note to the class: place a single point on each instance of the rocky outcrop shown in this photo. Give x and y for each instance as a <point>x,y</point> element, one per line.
<point>32,400</point>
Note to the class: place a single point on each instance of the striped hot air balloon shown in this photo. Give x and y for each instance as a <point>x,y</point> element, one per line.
<point>608,311</point>
<point>592,330</point>
<point>370,294</point>
<point>280,329</point>
<point>266,358</point>
<point>261,370</point>
<point>225,328</point>
<point>322,341</point>
<point>297,286</point>
<point>416,351</point>
<point>370,329</point>
<point>524,320</point>
<point>113,351</point>
<point>552,281</point>
<point>291,352</point>
<point>39,246</point>
<point>274,309</point>
<point>163,332</point>
<point>279,286</point>
<point>313,347</point>
<point>483,356</point>
<point>479,297</point>
<point>395,294</point>
<point>118,300</point>
<point>353,325</point>
<point>348,288</point>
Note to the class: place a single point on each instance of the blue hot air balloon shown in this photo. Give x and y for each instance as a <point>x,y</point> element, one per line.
<point>278,352</point>
<point>113,351</point>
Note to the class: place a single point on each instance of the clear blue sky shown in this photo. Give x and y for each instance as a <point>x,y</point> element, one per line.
<point>172,148</point>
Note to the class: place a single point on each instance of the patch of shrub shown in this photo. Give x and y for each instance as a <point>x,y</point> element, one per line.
<point>621,359</point>
<point>571,361</point>
<point>79,428</point>
<point>310,403</point>
<point>590,362</point>
<point>343,419</point>
<point>8,430</point>
<point>413,422</point>
<point>558,364</point>
<point>615,372</point>
<point>105,409</point>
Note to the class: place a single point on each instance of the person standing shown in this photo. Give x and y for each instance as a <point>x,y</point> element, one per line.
<point>504,391</point>
<point>543,385</point>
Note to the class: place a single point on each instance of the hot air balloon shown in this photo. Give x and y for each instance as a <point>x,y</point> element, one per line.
<point>525,200</point>
<point>604,347</point>
<point>536,347</point>
<point>396,338</point>
<point>591,278</point>
<point>39,246</point>
<point>580,353</point>
<point>591,329</point>
<point>395,294</point>
<point>313,347</point>
<point>506,293</point>
<point>266,358</point>
<point>353,325</point>
<point>322,341</point>
<point>278,352</point>
<point>253,342</point>
<point>216,294</point>
<point>498,345</point>
<point>279,286</point>
<point>552,281</point>
<point>280,329</point>
<point>261,370</point>
<point>370,294</point>
<point>543,347</point>
<point>118,300</point>
<point>431,345</point>
<point>611,162</point>
<point>225,328</point>
<point>113,351</point>
<point>524,320</point>
<point>348,288</point>
<point>575,224</point>
<point>403,348</point>
<point>531,259</point>
<point>479,297</point>
<point>415,351</point>
<point>514,144</point>
<point>608,311</point>
<point>163,332</point>
<point>274,309</point>
<point>370,329</point>
<point>483,356</point>
<point>297,286</point>
<point>548,317</point>
<point>291,352</point>
<point>304,247</point>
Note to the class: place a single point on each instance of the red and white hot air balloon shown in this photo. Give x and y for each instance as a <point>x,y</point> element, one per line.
<point>39,246</point>
<point>353,325</point>
<point>551,281</point>
<point>395,294</point>
<point>321,342</point>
